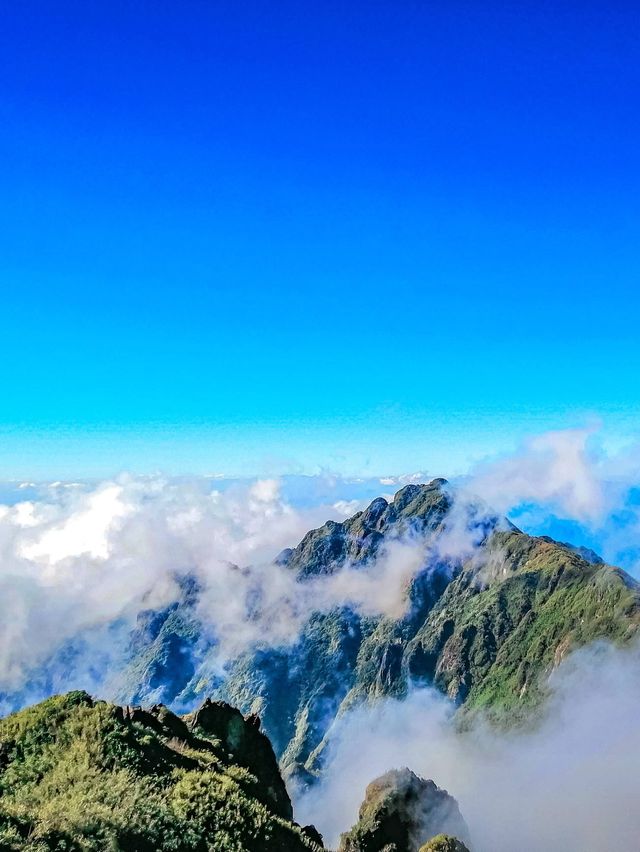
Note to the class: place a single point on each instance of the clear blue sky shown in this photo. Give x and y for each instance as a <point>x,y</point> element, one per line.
<point>380,235</point>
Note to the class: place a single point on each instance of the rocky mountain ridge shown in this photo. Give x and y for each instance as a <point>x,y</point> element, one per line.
<point>487,618</point>
<point>485,628</point>
<point>79,774</point>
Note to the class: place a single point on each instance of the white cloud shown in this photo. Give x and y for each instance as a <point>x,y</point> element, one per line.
<point>86,531</point>
<point>569,479</point>
<point>265,490</point>
<point>559,469</point>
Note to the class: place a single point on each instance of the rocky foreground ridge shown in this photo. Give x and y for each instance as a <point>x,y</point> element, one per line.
<point>79,775</point>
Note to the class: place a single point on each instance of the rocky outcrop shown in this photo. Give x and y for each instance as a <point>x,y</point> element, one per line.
<point>245,745</point>
<point>400,812</point>
<point>415,509</point>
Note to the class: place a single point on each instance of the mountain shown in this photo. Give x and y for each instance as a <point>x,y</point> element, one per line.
<point>81,775</point>
<point>489,614</point>
<point>485,630</point>
<point>490,611</point>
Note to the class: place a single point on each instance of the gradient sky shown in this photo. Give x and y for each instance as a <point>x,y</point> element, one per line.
<point>253,237</point>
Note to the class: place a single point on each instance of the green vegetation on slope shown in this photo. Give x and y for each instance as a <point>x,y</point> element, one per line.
<point>444,843</point>
<point>79,775</point>
<point>493,636</point>
<point>486,631</point>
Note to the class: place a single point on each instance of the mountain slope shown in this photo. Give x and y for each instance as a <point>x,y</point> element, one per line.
<point>78,774</point>
<point>488,646</point>
<point>485,629</point>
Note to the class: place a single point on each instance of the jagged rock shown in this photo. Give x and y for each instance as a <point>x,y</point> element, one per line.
<point>444,843</point>
<point>372,515</point>
<point>415,508</point>
<point>170,722</point>
<point>243,739</point>
<point>400,812</point>
<point>313,834</point>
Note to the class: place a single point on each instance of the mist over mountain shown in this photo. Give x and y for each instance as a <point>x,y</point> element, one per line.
<point>461,600</point>
<point>81,774</point>
<point>420,614</point>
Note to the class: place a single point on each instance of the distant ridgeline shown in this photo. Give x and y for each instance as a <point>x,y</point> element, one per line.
<point>485,628</point>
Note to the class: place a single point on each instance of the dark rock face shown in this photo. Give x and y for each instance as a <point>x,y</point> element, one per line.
<point>245,745</point>
<point>313,834</point>
<point>400,812</point>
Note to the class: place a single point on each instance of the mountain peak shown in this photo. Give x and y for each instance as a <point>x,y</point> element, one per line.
<point>417,508</point>
<point>409,493</point>
<point>476,625</point>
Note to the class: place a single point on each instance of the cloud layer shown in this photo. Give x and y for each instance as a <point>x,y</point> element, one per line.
<point>80,564</point>
<point>567,485</point>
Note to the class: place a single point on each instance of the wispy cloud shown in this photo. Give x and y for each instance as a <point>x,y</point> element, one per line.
<point>79,564</point>
<point>568,483</point>
<point>569,784</point>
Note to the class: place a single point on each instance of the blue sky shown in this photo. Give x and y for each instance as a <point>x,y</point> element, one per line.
<point>258,237</point>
